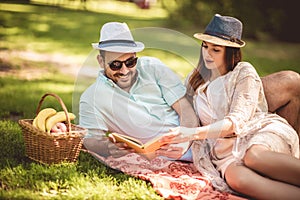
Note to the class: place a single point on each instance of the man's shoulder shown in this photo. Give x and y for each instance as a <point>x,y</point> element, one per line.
<point>148,60</point>
<point>93,88</point>
<point>154,64</point>
<point>87,92</point>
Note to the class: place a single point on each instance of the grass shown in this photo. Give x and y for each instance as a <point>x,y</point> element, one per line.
<point>41,44</point>
<point>20,178</point>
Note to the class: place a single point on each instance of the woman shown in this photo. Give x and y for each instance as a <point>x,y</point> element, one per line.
<point>256,153</point>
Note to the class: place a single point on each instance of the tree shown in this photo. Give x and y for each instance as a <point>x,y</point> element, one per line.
<point>276,18</point>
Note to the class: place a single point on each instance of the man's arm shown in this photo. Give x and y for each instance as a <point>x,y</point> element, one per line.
<point>101,145</point>
<point>187,118</point>
<point>186,113</point>
<point>97,144</point>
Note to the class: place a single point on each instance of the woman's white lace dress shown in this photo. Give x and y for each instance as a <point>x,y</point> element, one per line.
<point>238,96</point>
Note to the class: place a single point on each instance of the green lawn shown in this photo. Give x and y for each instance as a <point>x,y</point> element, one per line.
<point>40,44</point>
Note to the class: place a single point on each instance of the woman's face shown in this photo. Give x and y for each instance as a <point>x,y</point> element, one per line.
<point>214,57</point>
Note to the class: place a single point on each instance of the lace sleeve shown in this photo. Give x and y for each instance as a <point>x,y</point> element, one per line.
<point>245,97</point>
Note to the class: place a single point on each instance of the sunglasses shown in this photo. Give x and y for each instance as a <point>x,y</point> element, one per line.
<point>117,64</point>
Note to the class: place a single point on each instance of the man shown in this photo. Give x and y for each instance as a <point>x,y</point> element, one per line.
<point>143,98</point>
<point>140,97</point>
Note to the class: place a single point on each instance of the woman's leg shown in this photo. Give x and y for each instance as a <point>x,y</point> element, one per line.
<point>248,182</point>
<point>278,166</point>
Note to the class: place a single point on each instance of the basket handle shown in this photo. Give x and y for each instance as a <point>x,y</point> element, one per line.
<point>62,105</point>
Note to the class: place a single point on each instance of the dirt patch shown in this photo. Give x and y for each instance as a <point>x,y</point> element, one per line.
<point>5,66</point>
<point>32,65</point>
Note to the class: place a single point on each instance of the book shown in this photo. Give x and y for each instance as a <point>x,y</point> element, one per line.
<point>146,149</point>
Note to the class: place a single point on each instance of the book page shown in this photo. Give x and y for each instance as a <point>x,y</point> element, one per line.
<point>148,149</point>
<point>130,141</point>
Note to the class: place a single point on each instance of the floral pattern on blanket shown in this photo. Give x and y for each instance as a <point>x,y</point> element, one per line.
<point>171,179</point>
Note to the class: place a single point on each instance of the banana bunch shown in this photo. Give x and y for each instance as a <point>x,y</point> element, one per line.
<point>49,118</point>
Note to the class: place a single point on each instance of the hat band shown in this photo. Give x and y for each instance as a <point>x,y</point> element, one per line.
<point>225,37</point>
<point>108,43</point>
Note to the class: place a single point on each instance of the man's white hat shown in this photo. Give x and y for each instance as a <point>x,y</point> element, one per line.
<point>116,37</point>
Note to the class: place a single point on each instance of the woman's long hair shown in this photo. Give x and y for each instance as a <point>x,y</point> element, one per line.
<point>201,74</point>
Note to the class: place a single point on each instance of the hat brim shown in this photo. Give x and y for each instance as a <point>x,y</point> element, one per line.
<point>218,41</point>
<point>121,48</point>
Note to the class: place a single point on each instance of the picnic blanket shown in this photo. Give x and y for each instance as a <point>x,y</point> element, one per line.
<point>170,179</point>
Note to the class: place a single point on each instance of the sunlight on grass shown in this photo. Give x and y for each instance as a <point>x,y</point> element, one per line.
<point>43,46</point>
<point>10,31</point>
<point>63,87</point>
<point>24,95</point>
<point>43,86</point>
<point>18,8</point>
<point>72,181</point>
<point>41,27</point>
<point>119,8</point>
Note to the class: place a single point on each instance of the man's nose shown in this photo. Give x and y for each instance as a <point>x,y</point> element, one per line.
<point>124,69</point>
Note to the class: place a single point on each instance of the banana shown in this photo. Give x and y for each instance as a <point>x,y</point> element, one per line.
<point>41,118</point>
<point>34,122</point>
<point>58,117</point>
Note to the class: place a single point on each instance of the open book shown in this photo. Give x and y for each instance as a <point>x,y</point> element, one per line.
<point>146,149</point>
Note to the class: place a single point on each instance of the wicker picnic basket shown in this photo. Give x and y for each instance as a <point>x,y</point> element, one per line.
<point>47,148</point>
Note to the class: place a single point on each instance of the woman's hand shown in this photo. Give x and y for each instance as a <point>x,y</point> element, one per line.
<point>179,134</point>
<point>174,151</point>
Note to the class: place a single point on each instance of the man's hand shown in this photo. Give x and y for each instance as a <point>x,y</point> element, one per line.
<point>105,147</point>
<point>117,150</point>
<point>174,151</point>
<point>170,151</point>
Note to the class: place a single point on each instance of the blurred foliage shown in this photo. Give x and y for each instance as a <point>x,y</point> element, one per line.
<point>278,19</point>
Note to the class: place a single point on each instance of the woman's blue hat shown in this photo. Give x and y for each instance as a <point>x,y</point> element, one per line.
<point>224,31</point>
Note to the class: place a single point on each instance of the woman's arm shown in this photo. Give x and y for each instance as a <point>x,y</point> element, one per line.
<point>222,128</point>
<point>246,99</point>
<point>219,129</point>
